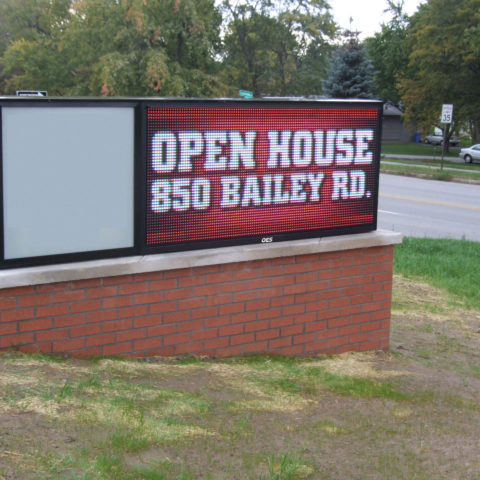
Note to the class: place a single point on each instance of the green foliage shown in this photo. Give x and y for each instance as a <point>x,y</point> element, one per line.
<point>32,19</point>
<point>272,47</point>
<point>417,149</point>
<point>412,168</point>
<point>362,387</point>
<point>168,47</point>
<point>107,47</point>
<point>351,72</point>
<point>388,50</point>
<point>276,48</point>
<point>295,376</point>
<point>249,60</point>
<point>191,48</point>
<point>449,264</point>
<point>30,33</point>
<point>444,64</point>
<point>287,467</point>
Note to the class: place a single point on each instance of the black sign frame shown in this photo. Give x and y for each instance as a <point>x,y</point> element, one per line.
<point>141,107</point>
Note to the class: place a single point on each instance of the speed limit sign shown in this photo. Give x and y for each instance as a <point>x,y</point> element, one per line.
<point>447,113</point>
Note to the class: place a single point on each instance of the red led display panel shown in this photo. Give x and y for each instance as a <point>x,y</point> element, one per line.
<point>226,172</point>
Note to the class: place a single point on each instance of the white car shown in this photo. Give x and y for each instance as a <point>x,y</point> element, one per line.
<point>471,153</point>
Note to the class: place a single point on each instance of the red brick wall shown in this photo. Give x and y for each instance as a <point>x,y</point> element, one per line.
<point>299,305</point>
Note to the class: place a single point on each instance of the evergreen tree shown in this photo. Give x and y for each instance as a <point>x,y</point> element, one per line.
<point>351,72</point>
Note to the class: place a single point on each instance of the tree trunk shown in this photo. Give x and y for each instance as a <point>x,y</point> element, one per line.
<point>476,131</point>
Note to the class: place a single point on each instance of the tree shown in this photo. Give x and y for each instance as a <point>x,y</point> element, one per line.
<point>269,46</point>
<point>444,65</point>
<point>30,32</point>
<point>182,38</point>
<point>128,47</point>
<point>249,60</point>
<point>313,28</point>
<point>351,71</point>
<point>389,51</point>
<point>165,47</point>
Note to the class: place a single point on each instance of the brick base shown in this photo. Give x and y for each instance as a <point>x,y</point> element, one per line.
<point>299,305</point>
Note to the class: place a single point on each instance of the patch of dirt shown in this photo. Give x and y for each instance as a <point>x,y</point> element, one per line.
<point>445,341</point>
<point>434,361</point>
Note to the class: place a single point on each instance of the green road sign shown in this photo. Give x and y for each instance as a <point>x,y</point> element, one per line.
<point>246,94</point>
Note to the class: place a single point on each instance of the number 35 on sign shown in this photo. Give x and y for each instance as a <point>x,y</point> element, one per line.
<point>447,113</point>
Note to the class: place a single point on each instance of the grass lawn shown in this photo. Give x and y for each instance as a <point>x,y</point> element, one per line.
<point>422,170</point>
<point>411,413</point>
<point>452,265</point>
<point>431,162</point>
<point>416,149</point>
<point>427,168</point>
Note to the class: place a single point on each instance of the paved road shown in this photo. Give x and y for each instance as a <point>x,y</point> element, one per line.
<point>428,208</point>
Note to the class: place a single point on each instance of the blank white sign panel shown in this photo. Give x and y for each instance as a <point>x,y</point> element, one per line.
<point>68,177</point>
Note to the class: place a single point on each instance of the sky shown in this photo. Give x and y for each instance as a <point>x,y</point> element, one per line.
<point>367,15</point>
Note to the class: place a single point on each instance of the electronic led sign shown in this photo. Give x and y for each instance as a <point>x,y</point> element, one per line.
<point>98,178</point>
<point>261,172</point>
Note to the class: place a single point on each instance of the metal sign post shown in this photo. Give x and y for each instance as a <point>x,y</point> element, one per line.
<point>446,119</point>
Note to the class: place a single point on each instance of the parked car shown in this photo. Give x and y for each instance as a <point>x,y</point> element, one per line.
<point>438,140</point>
<point>471,153</point>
